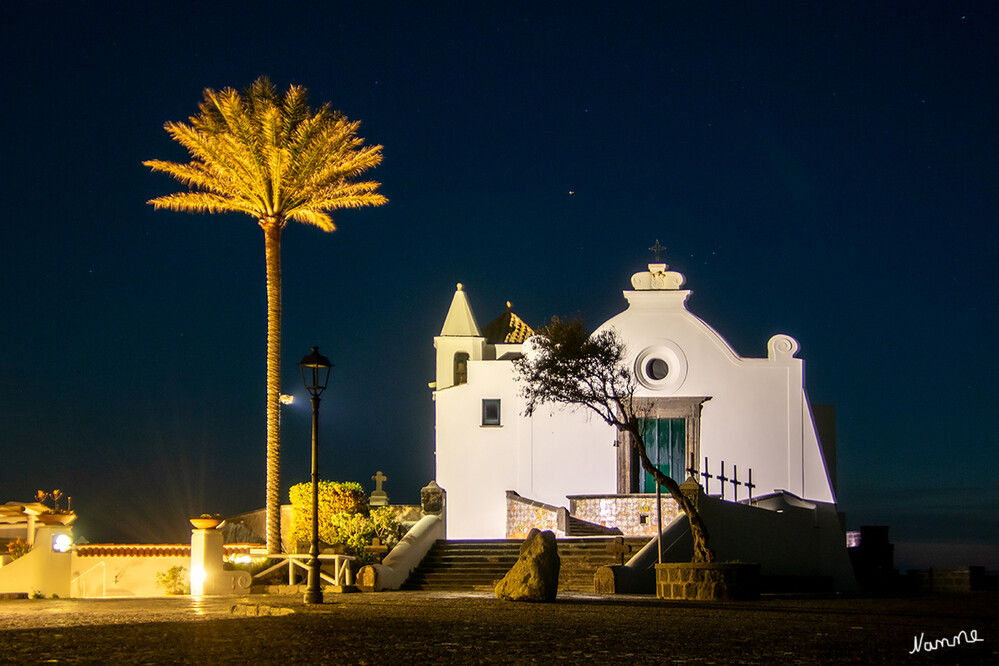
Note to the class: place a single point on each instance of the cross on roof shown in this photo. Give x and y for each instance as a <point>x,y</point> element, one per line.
<point>749,484</point>
<point>378,478</point>
<point>735,482</point>
<point>656,249</point>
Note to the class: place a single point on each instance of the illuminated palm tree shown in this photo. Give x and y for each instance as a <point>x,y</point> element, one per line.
<point>275,159</point>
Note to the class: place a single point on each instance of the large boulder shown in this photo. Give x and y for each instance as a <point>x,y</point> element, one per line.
<point>534,577</point>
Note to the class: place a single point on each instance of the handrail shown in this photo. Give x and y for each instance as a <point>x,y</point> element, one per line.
<point>104,579</point>
<point>342,574</point>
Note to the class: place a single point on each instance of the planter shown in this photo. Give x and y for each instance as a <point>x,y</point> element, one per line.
<point>206,523</point>
<point>56,518</point>
<point>711,581</point>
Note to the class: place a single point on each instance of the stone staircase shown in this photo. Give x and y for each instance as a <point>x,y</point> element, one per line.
<point>480,564</point>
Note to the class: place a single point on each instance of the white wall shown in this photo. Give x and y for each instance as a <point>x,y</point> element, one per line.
<point>42,570</point>
<point>758,416</point>
<point>122,576</point>
<point>477,464</point>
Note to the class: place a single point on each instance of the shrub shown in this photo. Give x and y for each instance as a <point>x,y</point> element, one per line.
<point>353,531</point>
<point>387,526</point>
<point>174,580</point>
<point>334,498</point>
<point>18,547</point>
<point>344,518</point>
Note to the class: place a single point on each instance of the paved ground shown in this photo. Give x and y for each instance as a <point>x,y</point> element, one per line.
<point>417,628</point>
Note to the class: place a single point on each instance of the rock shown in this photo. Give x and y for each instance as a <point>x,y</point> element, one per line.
<point>534,577</point>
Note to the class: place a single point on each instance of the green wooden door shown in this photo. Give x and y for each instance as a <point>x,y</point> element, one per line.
<point>666,444</point>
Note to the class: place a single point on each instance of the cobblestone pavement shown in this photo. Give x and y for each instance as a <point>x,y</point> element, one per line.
<point>417,628</point>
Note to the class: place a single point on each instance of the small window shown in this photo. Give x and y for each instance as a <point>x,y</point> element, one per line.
<point>491,412</point>
<point>460,368</point>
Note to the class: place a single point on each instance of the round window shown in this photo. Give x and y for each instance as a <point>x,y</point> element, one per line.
<point>657,369</point>
<point>661,367</point>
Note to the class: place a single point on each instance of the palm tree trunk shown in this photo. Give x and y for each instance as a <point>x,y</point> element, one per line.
<point>272,254</point>
<point>698,531</point>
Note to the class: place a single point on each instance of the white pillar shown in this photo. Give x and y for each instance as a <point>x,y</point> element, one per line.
<point>206,563</point>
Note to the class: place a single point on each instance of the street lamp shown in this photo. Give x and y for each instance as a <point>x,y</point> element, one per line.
<point>315,374</point>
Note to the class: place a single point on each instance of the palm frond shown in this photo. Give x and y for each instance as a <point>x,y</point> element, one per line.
<point>270,156</point>
<point>200,202</point>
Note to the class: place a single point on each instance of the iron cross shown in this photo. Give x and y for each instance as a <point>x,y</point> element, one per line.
<point>721,477</point>
<point>656,249</point>
<point>706,475</point>
<point>749,484</point>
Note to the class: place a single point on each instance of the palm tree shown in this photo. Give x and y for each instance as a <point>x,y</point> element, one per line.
<point>275,159</point>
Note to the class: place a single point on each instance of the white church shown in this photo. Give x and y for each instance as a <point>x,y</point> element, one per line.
<point>708,406</point>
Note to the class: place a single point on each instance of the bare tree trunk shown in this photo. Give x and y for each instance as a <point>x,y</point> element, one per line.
<point>272,253</point>
<point>698,531</point>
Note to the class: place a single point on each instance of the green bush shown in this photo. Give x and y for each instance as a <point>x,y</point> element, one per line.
<point>387,526</point>
<point>334,498</point>
<point>344,518</point>
<point>353,531</point>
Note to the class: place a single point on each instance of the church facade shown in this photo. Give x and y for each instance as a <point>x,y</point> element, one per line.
<point>705,406</point>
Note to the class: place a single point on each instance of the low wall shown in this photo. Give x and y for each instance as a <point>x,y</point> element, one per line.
<point>523,515</point>
<point>99,570</point>
<point>124,571</point>
<point>947,581</point>
<point>634,515</point>
<point>707,581</point>
<point>42,570</point>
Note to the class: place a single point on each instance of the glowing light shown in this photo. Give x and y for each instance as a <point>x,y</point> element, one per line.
<point>287,399</point>
<point>198,576</point>
<point>61,543</point>
<point>242,559</point>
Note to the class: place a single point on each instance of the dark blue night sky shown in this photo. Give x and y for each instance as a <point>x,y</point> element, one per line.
<point>826,170</point>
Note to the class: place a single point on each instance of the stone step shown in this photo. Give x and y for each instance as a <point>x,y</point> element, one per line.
<point>480,564</point>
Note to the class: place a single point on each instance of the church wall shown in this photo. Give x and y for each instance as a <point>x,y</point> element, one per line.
<point>758,415</point>
<point>573,454</point>
<point>477,464</point>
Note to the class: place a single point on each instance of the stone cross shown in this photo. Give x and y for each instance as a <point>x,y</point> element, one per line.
<point>619,549</point>
<point>379,496</point>
<point>378,478</point>
<point>721,477</point>
<point>376,549</point>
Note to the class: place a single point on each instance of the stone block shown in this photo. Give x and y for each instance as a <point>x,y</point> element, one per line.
<point>708,581</point>
<point>534,576</point>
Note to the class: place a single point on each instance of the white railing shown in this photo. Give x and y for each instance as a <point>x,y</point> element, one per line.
<point>343,575</point>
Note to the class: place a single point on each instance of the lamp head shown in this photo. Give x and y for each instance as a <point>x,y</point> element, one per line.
<point>315,372</point>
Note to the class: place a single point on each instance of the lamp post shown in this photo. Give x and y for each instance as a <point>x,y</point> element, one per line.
<point>315,374</point>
